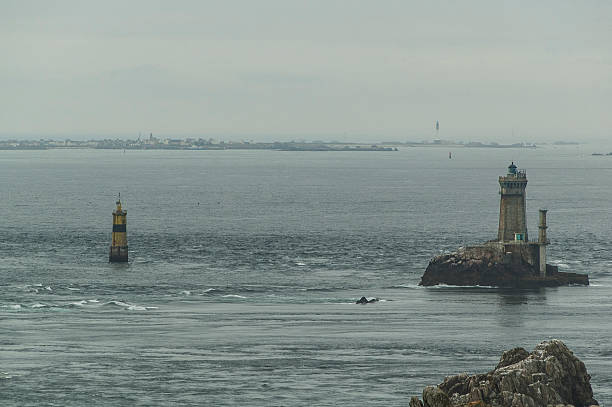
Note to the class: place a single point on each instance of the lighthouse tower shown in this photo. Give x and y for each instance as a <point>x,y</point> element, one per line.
<point>512,208</point>
<point>119,247</point>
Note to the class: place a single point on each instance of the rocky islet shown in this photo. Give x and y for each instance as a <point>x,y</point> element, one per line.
<point>551,375</point>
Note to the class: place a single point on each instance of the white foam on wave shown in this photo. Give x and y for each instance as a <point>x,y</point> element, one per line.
<point>460,286</point>
<point>39,305</point>
<point>563,265</point>
<point>128,306</point>
<point>13,306</point>
<point>139,308</point>
<point>82,303</point>
<point>560,264</point>
<point>210,290</point>
<point>299,263</point>
<point>233,296</point>
<point>74,289</point>
<point>48,288</point>
<point>185,292</point>
<point>406,286</point>
<point>117,303</point>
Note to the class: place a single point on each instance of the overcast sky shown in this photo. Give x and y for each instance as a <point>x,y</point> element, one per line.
<point>283,69</point>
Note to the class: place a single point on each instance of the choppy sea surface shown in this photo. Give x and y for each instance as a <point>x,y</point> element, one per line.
<point>245,266</point>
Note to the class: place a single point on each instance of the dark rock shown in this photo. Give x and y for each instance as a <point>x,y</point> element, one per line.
<point>550,375</point>
<point>496,264</point>
<point>364,300</point>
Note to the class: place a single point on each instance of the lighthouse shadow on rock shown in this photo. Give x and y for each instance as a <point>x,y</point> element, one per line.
<point>119,246</point>
<point>511,260</point>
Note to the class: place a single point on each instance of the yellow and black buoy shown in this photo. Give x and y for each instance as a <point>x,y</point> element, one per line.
<point>119,247</point>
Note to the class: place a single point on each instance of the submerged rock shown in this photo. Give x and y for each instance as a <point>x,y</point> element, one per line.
<point>496,264</point>
<point>550,375</point>
<point>364,300</point>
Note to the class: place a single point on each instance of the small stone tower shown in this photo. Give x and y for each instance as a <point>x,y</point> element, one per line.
<point>119,247</point>
<point>542,241</point>
<point>512,208</point>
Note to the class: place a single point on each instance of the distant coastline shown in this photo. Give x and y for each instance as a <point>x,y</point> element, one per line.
<point>153,143</point>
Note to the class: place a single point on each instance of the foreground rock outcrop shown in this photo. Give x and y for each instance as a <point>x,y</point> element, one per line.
<point>549,376</point>
<point>496,264</point>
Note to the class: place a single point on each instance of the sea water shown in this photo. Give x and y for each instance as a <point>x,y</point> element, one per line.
<point>245,267</point>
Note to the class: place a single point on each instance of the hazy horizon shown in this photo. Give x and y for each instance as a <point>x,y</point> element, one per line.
<point>281,70</point>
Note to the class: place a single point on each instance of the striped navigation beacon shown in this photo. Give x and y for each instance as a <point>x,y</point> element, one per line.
<point>119,247</point>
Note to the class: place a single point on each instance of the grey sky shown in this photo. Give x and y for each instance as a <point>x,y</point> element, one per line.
<point>283,69</point>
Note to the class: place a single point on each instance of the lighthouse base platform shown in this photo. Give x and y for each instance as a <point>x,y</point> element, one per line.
<point>118,254</point>
<point>496,264</point>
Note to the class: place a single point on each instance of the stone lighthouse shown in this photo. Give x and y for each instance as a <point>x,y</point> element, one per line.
<point>512,208</point>
<point>511,260</point>
<point>513,222</point>
<point>119,246</point>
